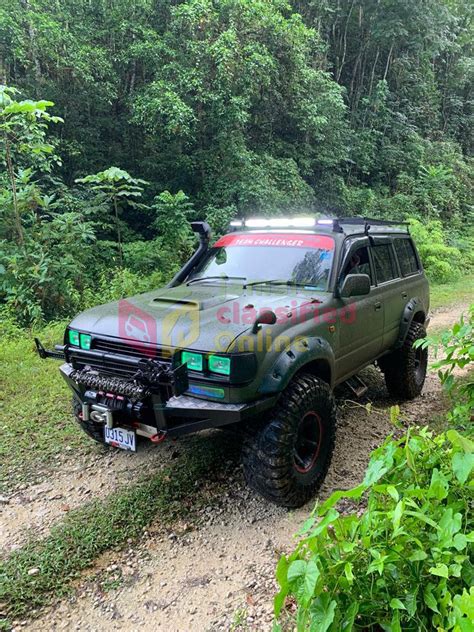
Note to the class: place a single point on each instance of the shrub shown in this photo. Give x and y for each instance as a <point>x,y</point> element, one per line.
<point>404,564</point>
<point>120,283</point>
<point>454,349</point>
<point>442,262</point>
<point>405,561</point>
<point>145,257</point>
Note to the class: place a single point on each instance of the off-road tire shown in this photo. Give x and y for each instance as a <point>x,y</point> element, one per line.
<point>95,431</point>
<point>405,368</point>
<point>272,450</point>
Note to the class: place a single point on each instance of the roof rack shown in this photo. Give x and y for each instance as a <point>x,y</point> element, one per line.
<point>335,223</point>
<point>366,222</point>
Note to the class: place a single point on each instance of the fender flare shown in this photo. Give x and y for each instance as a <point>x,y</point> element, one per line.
<point>414,306</point>
<point>294,357</point>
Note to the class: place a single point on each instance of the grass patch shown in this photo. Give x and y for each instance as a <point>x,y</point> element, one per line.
<point>459,291</point>
<point>86,533</point>
<point>35,409</point>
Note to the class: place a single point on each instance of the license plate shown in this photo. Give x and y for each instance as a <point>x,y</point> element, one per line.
<point>120,438</point>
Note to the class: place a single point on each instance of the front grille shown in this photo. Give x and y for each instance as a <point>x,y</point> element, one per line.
<point>130,349</point>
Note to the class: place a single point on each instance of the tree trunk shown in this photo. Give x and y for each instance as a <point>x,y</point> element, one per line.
<point>32,37</point>
<point>119,235</point>
<point>16,212</point>
<point>344,49</point>
<point>387,65</point>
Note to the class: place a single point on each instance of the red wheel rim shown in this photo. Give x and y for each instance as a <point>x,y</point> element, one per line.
<point>308,442</point>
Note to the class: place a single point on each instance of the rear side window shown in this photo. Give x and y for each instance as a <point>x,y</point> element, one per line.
<point>406,256</point>
<point>384,263</point>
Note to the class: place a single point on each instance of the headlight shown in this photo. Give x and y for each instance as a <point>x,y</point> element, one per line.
<point>85,341</point>
<point>74,337</point>
<point>237,368</point>
<point>219,364</point>
<point>194,361</point>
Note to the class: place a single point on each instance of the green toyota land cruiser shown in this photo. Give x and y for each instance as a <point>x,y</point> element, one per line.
<point>256,329</point>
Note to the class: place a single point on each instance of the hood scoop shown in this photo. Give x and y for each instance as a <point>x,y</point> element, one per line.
<point>183,303</point>
<point>167,300</point>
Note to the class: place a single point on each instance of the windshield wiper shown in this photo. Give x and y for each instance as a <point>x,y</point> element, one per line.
<point>220,278</point>
<point>280,282</point>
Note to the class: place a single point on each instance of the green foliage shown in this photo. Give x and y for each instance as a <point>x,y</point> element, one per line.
<point>118,187</point>
<point>35,415</point>
<point>403,563</point>
<point>40,246</point>
<point>23,126</point>
<point>442,263</point>
<point>173,214</point>
<point>454,350</point>
<point>229,108</point>
<point>116,284</point>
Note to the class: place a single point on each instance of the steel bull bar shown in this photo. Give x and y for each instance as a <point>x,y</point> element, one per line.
<point>154,394</point>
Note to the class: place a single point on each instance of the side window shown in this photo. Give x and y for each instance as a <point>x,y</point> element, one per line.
<point>406,256</point>
<point>385,269</point>
<point>358,263</point>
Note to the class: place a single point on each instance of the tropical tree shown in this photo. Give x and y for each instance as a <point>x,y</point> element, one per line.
<point>23,126</point>
<point>120,189</point>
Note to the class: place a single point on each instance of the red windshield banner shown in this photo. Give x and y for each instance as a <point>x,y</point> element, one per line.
<point>284,240</point>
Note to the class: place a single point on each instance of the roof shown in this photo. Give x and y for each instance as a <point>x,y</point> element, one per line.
<point>344,226</point>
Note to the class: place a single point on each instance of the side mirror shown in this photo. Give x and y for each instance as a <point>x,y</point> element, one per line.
<point>265,318</point>
<point>355,285</point>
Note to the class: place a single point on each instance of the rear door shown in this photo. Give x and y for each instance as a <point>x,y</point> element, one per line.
<point>414,281</point>
<point>389,290</point>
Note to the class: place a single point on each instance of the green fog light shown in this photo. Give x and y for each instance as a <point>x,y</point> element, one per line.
<point>85,341</point>
<point>193,360</point>
<point>74,337</point>
<point>217,364</point>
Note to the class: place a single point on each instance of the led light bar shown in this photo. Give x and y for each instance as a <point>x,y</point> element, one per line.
<point>325,222</point>
<point>277,222</point>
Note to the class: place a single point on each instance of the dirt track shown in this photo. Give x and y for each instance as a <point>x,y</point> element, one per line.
<point>216,573</point>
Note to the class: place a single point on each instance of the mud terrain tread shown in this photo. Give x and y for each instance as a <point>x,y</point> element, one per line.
<point>399,367</point>
<point>268,447</point>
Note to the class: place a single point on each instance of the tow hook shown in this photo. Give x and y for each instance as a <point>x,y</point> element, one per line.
<point>159,437</point>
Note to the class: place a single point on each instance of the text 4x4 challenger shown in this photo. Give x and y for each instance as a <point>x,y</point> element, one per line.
<point>257,329</point>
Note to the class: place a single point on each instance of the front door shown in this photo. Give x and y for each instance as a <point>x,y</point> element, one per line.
<point>362,317</point>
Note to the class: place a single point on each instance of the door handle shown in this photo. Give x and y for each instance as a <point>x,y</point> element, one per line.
<point>404,295</point>
<point>377,306</point>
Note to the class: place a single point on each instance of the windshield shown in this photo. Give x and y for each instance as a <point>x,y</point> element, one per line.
<point>300,259</point>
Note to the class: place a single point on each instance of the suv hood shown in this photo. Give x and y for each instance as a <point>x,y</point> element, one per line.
<point>200,317</point>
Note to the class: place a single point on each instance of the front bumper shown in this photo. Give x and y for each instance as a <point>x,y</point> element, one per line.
<point>151,399</point>
<point>154,416</point>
